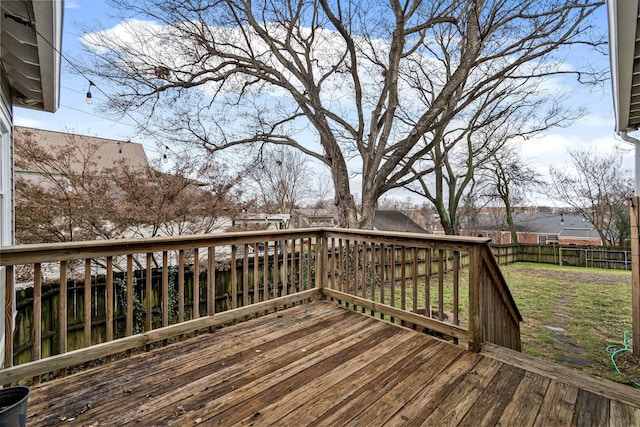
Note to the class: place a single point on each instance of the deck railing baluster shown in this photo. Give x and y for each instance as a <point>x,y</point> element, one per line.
<point>384,271</point>
<point>256,274</point>
<point>427,282</point>
<point>148,320</point>
<point>245,276</point>
<point>8,315</point>
<point>62,309</point>
<point>265,272</point>
<point>195,311</point>
<point>211,281</point>
<point>403,277</point>
<point>414,277</point>
<point>36,352</point>
<point>109,292</point>
<point>87,303</point>
<point>441,273</point>
<point>165,288</point>
<point>276,270</point>
<point>129,309</point>
<point>234,277</point>
<point>285,269</point>
<point>181,286</point>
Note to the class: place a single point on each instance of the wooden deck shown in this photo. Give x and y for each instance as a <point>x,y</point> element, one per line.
<point>322,364</point>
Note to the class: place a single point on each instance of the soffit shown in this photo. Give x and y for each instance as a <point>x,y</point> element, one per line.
<point>30,42</point>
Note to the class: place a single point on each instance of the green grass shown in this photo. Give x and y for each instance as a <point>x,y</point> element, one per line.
<point>593,305</point>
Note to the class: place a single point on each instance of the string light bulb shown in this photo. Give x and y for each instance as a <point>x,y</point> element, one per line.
<point>165,159</point>
<point>89,98</point>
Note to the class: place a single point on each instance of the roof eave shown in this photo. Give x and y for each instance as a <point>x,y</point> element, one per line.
<point>31,58</point>
<point>623,21</point>
<point>48,20</point>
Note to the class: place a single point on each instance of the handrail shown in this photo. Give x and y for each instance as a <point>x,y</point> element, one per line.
<point>127,287</point>
<point>66,251</point>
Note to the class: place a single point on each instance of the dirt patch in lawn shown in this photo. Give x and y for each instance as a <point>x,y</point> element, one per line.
<point>566,276</point>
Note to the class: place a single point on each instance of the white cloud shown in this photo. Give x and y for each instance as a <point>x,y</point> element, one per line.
<point>71,5</point>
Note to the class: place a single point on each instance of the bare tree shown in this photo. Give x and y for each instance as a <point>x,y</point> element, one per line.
<point>152,202</point>
<point>365,81</point>
<point>283,177</point>
<point>508,179</point>
<point>598,187</point>
<point>505,115</point>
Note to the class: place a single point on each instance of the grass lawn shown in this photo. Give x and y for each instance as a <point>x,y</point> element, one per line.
<point>593,305</point>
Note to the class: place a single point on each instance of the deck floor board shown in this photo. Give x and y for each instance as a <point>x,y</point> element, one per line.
<point>322,364</point>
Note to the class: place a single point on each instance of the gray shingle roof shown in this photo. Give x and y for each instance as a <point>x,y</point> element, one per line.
<point>395,221</point>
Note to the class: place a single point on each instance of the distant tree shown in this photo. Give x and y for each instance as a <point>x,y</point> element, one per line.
<point>504,116</point>
<point>153,202</point>
<point>375,82</point>
<point>599,188</point>
<point>508,179</point>
<point>283,177</point>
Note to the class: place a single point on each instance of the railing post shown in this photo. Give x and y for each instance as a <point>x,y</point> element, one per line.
<point>475,295</point>
<point>8,316</point>
<point>635,274</point>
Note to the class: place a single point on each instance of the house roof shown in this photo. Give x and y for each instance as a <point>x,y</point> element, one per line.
<point>550,223</point>
<point>580,233</point>
<point>566,224</point>
<point>106,153</point>
<point>395,221</point>
<point>30,43</point>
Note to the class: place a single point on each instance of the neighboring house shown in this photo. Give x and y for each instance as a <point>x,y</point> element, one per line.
<point>30,43</point>
<point>108,164</point>
<point>104,153</point>
<point>382,221</point>
<point>260,221</point>
<point>535,228</point>
<point>314,217</point>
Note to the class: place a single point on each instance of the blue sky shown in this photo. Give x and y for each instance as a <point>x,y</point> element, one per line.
<point>75,115</point>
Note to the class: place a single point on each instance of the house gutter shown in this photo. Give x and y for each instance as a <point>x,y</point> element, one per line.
<point>636,143</point>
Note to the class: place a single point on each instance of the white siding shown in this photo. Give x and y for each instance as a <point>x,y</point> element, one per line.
<point>6,199</point>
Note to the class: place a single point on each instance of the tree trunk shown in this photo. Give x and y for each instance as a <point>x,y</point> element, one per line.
<point>512,225</point>
<point>368,211</point>
<point>347,212</point>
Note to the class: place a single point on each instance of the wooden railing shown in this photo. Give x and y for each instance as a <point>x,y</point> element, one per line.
<point>152,290</point>
<point>447,285</point>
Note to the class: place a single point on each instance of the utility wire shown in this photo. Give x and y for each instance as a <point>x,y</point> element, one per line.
<point>29,23</point>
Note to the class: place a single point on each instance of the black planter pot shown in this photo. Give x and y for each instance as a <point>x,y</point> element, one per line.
<point>13,406</point>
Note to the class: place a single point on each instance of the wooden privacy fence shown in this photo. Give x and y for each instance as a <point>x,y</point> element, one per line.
<point>579,256</point>
<point>451,286</point>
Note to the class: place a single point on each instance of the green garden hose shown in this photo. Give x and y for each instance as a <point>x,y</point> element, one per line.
<point>614,349</point>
